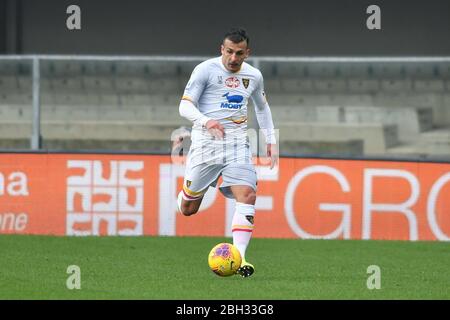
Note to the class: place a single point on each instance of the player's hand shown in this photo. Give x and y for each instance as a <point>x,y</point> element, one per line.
<point>215,128</point>
<point>272,152</point>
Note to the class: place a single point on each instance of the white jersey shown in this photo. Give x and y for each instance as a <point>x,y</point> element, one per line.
<point>223,95</point>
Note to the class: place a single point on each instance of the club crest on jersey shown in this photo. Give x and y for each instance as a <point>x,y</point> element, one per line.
<point>232,82</point>
<point>245,82</point>
<point>219,80</point>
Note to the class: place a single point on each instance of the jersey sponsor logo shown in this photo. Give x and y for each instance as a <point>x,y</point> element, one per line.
<point>233,101</point>
<point>219,80</point>
<point>234,98</point>
<point>232,82</point>
<point>245,82</point>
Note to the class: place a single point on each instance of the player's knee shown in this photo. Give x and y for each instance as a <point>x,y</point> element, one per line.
<point>249,197</point>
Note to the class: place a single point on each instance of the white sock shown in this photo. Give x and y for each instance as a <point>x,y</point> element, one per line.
<point>242,226</point>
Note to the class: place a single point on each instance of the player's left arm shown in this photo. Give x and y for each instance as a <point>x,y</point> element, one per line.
<point>264,117</point>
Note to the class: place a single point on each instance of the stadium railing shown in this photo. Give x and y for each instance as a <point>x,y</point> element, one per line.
<point>390,69</point>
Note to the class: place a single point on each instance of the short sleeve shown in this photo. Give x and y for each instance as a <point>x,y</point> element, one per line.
<point>196,84</point>
<point>258,94</point>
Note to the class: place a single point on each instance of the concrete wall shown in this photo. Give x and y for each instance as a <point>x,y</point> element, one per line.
<point>2,26</point>
<point>283,27</point>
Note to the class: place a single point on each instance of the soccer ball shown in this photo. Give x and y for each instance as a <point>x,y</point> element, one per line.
<point>224,259</point>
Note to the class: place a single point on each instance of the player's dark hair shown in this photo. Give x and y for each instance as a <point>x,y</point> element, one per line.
<point>237,35</point>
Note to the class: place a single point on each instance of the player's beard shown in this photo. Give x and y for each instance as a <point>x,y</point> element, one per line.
<point>234,66</point>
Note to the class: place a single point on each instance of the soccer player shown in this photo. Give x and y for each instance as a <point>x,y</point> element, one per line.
<point>215,100</point>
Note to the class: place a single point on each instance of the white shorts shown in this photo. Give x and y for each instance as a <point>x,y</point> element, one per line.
<point>207,162</point>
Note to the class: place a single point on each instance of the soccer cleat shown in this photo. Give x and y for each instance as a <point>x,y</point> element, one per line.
<point>246,269</point>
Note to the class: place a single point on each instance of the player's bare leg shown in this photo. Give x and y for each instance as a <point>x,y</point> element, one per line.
<point>188,207</point>
<point>242,224</point>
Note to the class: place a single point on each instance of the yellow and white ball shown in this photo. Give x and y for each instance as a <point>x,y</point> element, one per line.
<point>224,259</point>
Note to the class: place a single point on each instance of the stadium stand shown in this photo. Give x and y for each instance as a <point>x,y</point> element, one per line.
<point>341,108</point>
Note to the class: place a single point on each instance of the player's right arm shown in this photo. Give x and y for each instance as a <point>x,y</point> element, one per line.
<point>189,111</point>
<point>188,105</point>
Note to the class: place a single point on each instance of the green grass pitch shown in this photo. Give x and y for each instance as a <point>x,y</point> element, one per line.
<point>175,268</point>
